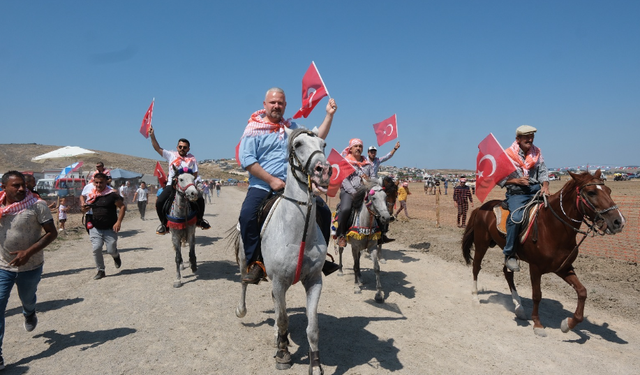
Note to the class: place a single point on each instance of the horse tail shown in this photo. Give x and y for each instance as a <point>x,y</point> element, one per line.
<point>468,236</point>
<point>233,239</point>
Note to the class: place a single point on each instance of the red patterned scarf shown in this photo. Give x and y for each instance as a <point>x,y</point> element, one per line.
<point>532,158</point>
<point>94,193</point>
<point>179,160</point>
<point>16,207</point>
<point>259,125</point>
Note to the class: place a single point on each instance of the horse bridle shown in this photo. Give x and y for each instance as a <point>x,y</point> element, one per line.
<point>297,165</point>
<point>368,203</point>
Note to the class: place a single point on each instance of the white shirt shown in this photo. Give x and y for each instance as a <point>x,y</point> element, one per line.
<point>189,162</point>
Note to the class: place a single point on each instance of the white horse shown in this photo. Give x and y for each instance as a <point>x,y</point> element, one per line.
<point>292,243</point>
<point>182,220</point>
<point>371,201</point>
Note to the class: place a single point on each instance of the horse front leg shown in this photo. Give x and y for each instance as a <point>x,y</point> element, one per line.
<point>283,357</point>
<point>192,250</point>
<point>380,256</point>
<point>356,270</point>
<point>578,316</point>
<point>536,297</point>
<point>515,297</point>
<point>376,269</point>
<point>340,251</point>
<point>176,246</point>
<point>313,287</point>
<point>241,309</point>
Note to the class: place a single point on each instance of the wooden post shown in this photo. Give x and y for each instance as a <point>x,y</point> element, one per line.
<point>438,208</point>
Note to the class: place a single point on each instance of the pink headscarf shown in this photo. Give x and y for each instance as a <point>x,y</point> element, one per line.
<point>352,142</point>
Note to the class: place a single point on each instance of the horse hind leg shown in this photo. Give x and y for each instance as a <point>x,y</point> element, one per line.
<point>536,297</point>
<point>340,251</point>
<point>241,309</point>
<point>192,251</point>
<point>569,323</point>
<point>357,289</point>
<point>515,297</point>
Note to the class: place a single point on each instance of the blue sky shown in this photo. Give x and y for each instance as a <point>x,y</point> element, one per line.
<point>83,73</point>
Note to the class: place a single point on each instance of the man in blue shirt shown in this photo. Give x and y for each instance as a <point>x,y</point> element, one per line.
<point>263,153</point>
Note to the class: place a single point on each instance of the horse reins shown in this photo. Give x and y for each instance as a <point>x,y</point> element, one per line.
<point>298,168</point>
<point>580,198</point>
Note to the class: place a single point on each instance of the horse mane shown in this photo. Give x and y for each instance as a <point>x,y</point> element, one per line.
<point>390,187</point>
<point>361,192</point>
<point>294,134</point>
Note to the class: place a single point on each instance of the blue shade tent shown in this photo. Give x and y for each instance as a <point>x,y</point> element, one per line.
<point>124,174</point>
<point>120,176</point>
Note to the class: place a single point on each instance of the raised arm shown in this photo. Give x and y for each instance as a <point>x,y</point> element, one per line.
<point>154,141</point>
<point>324,128</point>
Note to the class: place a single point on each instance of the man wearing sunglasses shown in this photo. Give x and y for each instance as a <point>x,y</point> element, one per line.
<point>181,159</point>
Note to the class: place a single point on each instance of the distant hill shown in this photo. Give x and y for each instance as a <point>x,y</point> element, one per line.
<point>18,157</point>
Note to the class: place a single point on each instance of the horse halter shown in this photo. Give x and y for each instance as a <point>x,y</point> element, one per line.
<point>297,165</point>
<point>583,201</point>
<point>180,188</point>
<point>369,202</point>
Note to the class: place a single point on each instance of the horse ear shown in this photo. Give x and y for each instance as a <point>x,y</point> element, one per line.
<point>573,175</point>
<point>597,174</point>
<point>288,131</point>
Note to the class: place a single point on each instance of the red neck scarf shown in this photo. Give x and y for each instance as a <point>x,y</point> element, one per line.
<point>94,193</point>
<point>259,125</point>
<point>532,158</point>
<point>16,207</point>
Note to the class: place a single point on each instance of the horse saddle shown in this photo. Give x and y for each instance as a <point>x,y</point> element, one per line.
<point>502,213</point>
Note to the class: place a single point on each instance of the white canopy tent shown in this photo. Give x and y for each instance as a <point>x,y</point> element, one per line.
<point>63,153</point>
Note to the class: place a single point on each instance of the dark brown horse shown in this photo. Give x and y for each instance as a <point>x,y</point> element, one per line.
<point>584,199</point>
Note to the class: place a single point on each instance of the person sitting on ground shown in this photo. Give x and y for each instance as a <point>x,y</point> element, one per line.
<point>363,171</point>
<point>530,177</point>
<point>180,159</point>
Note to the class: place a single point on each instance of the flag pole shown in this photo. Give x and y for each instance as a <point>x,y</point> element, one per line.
<point>321,80</point>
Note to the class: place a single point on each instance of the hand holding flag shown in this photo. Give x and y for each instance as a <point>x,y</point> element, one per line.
<point>386,130</point>
<point>146,120</point>
<point>341,170</point>
<point>492,165</point>
<point>313,89</point>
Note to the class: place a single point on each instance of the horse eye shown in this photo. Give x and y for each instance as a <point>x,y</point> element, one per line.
<point>592,193</point>
<point>297,144</point>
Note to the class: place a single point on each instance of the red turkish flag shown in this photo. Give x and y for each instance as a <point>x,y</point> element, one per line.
<point>313,89</point>
<point>158,172</point>
<point>386,130</point>
<point>146,121</point>
<point>341,169</point>
<point>492,165</point>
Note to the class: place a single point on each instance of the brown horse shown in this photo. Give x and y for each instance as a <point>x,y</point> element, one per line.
<point>584,199</point>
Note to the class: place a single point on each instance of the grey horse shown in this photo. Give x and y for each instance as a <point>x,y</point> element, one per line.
<point>286,254</point>
<point>370,203</point>
<point>182,220</point>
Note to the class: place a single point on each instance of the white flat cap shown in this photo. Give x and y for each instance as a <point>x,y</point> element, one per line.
<point>525,130</point>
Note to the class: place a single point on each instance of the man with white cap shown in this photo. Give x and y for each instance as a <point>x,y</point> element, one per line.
<point>530,177</point>
<point>376,161</point>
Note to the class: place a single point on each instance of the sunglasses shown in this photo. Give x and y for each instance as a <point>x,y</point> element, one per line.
<point>183,147</point>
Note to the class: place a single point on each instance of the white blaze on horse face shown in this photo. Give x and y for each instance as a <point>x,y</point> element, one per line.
<point>493,163</point>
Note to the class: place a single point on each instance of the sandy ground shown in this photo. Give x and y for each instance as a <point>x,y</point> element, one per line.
<point>135,322</point>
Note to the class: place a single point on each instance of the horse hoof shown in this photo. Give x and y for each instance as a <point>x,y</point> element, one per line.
<point>240,313</point>
<point>379,297</point>
<point>283,366</point>
<point>564,326</point>
<point>357,290</point>
<point>340,273</point>
<point>194,268</point>
<point>540,332</point>
<point>520,313</point>
<point>383,261</point>
<point>177,284</point>
<point>283,359</point>
<point>317,370</point>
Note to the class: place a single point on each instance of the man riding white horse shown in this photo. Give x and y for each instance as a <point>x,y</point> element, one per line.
<point>263,153</point>
<point>180,159</point>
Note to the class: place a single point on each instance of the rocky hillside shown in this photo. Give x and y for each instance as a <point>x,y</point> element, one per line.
<point>18,157</point>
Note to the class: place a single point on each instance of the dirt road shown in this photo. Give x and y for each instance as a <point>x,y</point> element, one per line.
<point>135,322</point>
